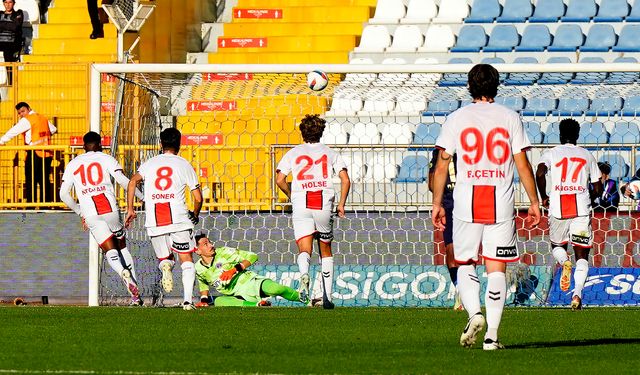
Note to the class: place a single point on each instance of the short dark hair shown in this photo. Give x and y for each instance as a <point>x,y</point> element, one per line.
<point>170,139</point>
<point>569,131</point>
<point>91,137</point>
<point>21,105</point>
<point>483,81</point>
<point>311,128</point>
<point>604,167</point>
<point>200,236</point>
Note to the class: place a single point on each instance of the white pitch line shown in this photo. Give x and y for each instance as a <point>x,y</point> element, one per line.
<point>81,372</point>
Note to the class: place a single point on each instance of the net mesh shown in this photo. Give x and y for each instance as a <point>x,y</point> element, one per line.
<point>236,127</point>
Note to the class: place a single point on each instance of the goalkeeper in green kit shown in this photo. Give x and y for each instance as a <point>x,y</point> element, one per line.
<point>225,269</point>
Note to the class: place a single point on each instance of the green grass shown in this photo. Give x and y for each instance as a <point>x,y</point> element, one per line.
<point>297,340</point>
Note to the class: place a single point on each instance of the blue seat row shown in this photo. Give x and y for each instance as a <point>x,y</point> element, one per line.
<point>486,11</point>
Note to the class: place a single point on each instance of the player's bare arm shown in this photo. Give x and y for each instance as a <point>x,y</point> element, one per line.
<point>131,194</point>
<point>439,180</point>
<point>197,201</point>
<point>345,186</point>
<point>527,180</point>
<point>281,181</point>
<point>541,183</point>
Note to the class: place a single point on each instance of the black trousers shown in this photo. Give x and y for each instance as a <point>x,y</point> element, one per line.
<point>37,171</point>
<point>92,7</point>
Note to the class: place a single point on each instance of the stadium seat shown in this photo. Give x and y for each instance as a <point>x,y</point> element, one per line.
<point>452,11</point>
<point>388,11</point>
<point>381,167</point>
<point>612,11</point>
<point>438,38</point>
<point>548,11</point>
<point>625,132</point>
<point>535,38</point>
<point>605,103</point>
<point>495,60</point>
<point>540,102</point>
<point>376,107</point>
<point>420,11</point>
<point>427,134</point>
<point>334,134</point>
<point>619,167</point>
<point>441,107</point>
<point>568,38</point>
<point>484,11</point>
<point>631,106</point>
<point>634,15</point>
<point>364,134</point>
<point>406,38</point>
<point>396,134</point>
<point>455,79</point>
<point>552,135</point>
<point>510,97</point>
<point>470,39</point>
<point>551,78</point>
<point>515,11</point>
<point>375,38</point>
<point>533,131</point>
<point>413,168</point>
<point>344,106</point>
<point>503,38</point>
<point>410,104</point>
<point>580,11</point>
<point>361,60</point>
<point>628,40</point>
<point>590,78</point>
<point>593,133</point>
<point>624,77</point>
<point>523,79</point>
<point>573,104</point>
<point>600,38</point>
<point>355,166</point>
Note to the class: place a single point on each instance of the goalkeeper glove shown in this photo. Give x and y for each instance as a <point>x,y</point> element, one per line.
<point>194,219</point>
<point>228,275</point>
<point>204,301</point>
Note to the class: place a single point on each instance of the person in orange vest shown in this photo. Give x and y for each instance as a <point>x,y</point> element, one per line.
<point>37,131</point>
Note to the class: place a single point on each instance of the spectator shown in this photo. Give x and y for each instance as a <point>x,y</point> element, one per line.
<point>44,8</point>
<point>626,191</point>
<point>37,131</point>
<point>11,31</point>
<point>98,30</point>
<point>610,197</point>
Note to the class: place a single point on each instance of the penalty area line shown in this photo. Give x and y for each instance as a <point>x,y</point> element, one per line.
<point>90,372</point>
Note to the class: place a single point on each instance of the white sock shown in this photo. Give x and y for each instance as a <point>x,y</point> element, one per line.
<point>560,254</point>
<point>494,300</point>
<point>188,279</point>
<point>114,261</point>
<point>469,289</point>
<point>128,260</point>
<point>580,276</point>
<point>171,262</point>
<point>327,275</point>
<point>303,262</point>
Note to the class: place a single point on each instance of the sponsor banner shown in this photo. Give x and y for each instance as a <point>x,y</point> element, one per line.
<point>211,105</point>
<point>202,139</point>
<point>227,77</point>
<point>107,107</point>
<point>605,286</point>
<point>402,286</point>
<point>257,13</point>
<point>242,42</point>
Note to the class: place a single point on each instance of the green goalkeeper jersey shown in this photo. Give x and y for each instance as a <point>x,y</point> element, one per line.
<point>225,259</point>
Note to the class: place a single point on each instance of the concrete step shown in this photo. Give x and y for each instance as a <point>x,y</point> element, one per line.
<point>75,46</point>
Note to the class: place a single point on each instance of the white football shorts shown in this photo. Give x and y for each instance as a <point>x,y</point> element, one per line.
<point>309,222</point>
<point>498,241</point>
<point>105,226</point>
<point>180,242</point>
<point>576,230</point>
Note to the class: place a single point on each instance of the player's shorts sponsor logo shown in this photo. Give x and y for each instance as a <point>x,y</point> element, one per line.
<point>506,252</point>
<point>119,233</point>
<point>328,236</point>
<point>579,239</point>
<point>184,246</point>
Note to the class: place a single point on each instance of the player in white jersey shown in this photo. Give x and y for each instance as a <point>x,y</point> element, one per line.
<point>168,221</point>
<point>489,140</point>
<point>571,168</point>
<point>90,175</point>
<point>313,165</point>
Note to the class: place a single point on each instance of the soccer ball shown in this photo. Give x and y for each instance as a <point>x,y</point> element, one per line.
<point>634,187</point>
<point>317,80</point>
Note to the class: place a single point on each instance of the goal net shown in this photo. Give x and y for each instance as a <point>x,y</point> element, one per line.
<point>238,121</point>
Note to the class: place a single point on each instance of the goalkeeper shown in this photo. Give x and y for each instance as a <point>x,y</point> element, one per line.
<point>225,269</point>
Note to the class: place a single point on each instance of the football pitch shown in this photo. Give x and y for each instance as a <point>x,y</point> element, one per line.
<point>107,340</point>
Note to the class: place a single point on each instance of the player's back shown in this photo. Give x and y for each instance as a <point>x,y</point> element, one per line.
<point>91,176</point>
<point>312,166</point>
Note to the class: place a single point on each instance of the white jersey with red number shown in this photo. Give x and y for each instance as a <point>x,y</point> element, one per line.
<point>485,136</point>
<point>90,175</point>
<point>166,178</point>
<point>312,166</point>
<point>571,168</point>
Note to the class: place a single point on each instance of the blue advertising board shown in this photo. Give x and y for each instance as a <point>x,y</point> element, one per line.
<point>605,286</point>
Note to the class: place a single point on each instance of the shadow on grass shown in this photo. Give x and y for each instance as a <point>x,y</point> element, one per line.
<point>586,342</point>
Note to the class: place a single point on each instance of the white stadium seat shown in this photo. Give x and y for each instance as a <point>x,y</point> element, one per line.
<point>438,38</point>
<point>364,134</point>
<point>397,134</point>
<point>406,38</point>
<point>375,38</point>
<point>334,134</point>
<point>388,11</point>
<point>452,11</point>
<point>420,11</point>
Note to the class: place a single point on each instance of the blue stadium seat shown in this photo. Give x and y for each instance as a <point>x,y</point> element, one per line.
<point>573,102</point>
<point>441,107</point>
<point>533,131</point>
<point>535,38</point>
<point>540,102</point>
<point>619,167</point>
<point>628,40</point>
<point>413,168</point>
<point>426,134</point>
<point>612,11</point>
<point>503,38</point>
<point>552,135</point>
<point>631,106</point>
<point>580,11</point>
<point>551,78</point>
<point>593,133</point>
<point>484,11</point>
<point>568,38</point>
<point>590,78</point>
<point>624,77</point>
<point>548,11</point>
<point>605,106</point>
<point>514,102</point>
<point>470,39</point>
<point>455,79</point>
<point>600,38</point>
<point>625,132</point>
<point>495,60</point>
<point>634,15</point>
<point>515,11</point>
<point>526,79</point>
